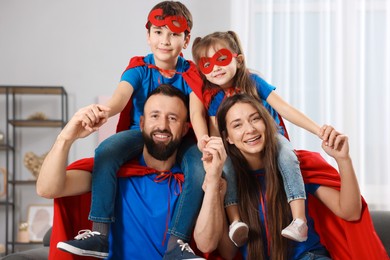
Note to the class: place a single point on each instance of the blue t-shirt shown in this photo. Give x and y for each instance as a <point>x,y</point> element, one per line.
<point>144,80</point>
<point>299,248</point>
<point>264,89</point>
<point>141,212</point>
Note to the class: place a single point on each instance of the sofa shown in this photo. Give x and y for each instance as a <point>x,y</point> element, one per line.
<point>381,220</point>
<point>39,253</point>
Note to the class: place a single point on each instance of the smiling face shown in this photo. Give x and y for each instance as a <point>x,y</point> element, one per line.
<point>163,125</point>
<point>246,130</point>
<point>221,75</point>
<point>166,45</point>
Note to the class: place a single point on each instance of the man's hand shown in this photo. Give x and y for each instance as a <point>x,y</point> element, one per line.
<point>84,122</point>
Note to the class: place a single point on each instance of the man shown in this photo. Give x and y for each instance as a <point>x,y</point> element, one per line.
<point>144,203</point>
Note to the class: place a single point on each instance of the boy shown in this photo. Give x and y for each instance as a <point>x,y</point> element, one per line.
<point>169,25</point>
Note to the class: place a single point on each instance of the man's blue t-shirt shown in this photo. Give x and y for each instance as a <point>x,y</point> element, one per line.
<point>141,216</point>
<point>144,80</point>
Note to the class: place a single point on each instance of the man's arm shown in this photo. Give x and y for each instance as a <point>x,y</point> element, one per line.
<point>53,180</point>
<point>211,220</point>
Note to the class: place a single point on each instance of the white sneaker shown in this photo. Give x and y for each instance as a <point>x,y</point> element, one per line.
<point>238,233</point>
<point>296,231</point>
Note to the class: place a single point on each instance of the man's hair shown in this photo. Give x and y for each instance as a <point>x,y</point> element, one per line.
<point>174,8</point>
<point>170,91</point>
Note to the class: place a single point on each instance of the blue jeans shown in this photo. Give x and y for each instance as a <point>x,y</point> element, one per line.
<point>288,165</point>
<point>110,155</point>
<point>191,197</point>
<point>319,254</point>
<point>231,197</point>
<point>116,150</point>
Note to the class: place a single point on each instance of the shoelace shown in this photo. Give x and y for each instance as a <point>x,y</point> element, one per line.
<point>85,233</point>
<point>185,246</point>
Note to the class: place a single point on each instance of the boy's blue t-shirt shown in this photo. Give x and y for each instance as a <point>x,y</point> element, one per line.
<point>142,216</point>
<point>144,80</point>
<point>298,248</point>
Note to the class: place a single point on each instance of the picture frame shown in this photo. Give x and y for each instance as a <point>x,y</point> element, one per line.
<point>3,182</point>
<point>40,220</point>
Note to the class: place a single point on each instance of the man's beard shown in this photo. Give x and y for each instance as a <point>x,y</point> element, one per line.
<point>160,151</point>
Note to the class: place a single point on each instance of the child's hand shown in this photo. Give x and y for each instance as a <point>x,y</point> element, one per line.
<point>339,148</point>
<point>327,134</point>
<point>216,157</point>
<point>202,143</point>
<point>94,116</point>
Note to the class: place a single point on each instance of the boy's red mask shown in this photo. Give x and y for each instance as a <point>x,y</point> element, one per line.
<point>222,57</point>
<point>176,24</point>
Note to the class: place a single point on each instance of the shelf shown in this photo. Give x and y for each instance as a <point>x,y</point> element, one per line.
<point>4,203</point>
<point>4,147</point>
<point>37,123</point>
<point>24,243</point>
<point>52,90</point>
<point>13,100</point>
<point>23,182</point>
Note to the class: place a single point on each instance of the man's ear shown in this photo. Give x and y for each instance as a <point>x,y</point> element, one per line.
<point>141,123</point>
<point>186,127</point>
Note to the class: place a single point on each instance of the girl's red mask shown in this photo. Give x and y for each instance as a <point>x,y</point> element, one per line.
<point>222,57</point>
<point>176,24</point>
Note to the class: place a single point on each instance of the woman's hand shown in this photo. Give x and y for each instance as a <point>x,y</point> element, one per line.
<point>214,157</point>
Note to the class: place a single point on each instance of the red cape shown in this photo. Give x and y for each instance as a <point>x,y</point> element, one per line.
<point>343,239</point>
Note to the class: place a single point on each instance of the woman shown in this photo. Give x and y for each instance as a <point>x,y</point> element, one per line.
<point>249,136</point>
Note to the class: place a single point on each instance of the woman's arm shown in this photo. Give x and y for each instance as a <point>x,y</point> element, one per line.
<point>345,203</point>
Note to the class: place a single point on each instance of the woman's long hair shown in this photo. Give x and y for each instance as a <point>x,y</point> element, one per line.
<point>249,189</point>
<point>230,41</point>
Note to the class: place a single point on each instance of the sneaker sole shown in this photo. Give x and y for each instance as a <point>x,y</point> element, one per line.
<point>77,251</point>
<point>239,236</point>
<point>291,236</point>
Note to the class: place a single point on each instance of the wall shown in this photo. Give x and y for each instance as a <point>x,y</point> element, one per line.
<point>83,46</point>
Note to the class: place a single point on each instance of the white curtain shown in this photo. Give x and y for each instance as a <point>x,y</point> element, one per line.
<point>331,60</point>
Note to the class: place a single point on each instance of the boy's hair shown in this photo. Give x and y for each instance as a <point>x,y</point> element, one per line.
<point>228,40</point>
<point>173,8</point>
<point>170,91</point>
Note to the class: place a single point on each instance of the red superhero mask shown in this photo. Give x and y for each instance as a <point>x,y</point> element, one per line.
<point>222,57</point>
<point>176,24</point>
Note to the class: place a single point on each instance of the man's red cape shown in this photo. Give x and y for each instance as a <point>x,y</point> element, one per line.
<point>343,239</point>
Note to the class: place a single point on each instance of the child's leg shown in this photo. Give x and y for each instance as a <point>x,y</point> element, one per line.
<point>110,155</point>
<point>294,187</point>
<point>191,197</point>
<point>292,178</point>
<point>238,231</point>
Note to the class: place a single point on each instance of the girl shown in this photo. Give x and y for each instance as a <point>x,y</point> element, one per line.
<point>220,59</point>
<point>248,134</point>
